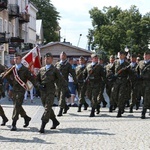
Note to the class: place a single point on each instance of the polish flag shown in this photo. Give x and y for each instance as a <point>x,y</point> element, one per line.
<point>26,8</point>
<point>32,60</point>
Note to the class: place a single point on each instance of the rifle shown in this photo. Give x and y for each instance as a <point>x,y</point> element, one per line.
<point>80,73</point>
<point>122,69</point>
<point>90,73</point>
<point>143,71</point>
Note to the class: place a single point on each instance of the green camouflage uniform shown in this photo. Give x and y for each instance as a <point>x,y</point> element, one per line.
<point>95,75</point>
<point>81,85</point>
<point>134,87</point>
<point>1,111</point>
<point>65,68</point>
<point>101,91</point>
<point>18,91</point>
<point>2,69</point>
<point>144,70</point>
<point>109,83</point>
<point>46,79</point>
<point>119,89</point>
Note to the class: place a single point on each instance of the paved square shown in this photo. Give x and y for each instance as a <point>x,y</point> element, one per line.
<point>77,131</point>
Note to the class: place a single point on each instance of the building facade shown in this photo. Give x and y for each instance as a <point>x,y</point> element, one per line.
<point>57,47</point>
<point>15,30</point>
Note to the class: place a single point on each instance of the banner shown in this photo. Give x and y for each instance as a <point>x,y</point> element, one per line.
<point>32,60</point>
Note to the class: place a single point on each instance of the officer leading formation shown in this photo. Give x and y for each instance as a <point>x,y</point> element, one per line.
<point>125,81</point>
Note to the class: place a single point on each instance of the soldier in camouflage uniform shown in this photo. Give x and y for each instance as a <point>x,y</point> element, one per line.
<point>101,98</point>
<point>2,114</point>
<point>134,83</point>
<point>122,71</point>
<point>65,68</point>
<point>144,70</point>
<point>46,79</point>
<point>81,85</point>
<point>110,81</point>
<point>19,89</point>
<point>94,74</point>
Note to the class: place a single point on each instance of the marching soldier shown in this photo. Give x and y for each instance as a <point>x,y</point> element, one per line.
<point>94,74</point>
<point>119,91</point>
<point>17,77</point>
<point>65,68</point>
<point>2,114</point>
<point>134,83</point>
<point>46,79</point>
<point>81,84</point>
<point>101,96</point>
<point>144,70</point>
<point>110,80</point>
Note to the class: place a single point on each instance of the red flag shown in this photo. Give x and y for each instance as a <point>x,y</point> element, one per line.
<point>26,9</point>
<point>32,60</point>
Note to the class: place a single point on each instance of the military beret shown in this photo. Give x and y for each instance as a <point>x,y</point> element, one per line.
<point>122,52</point>
<point>48,55</point>
<point>138,58</point>
<point>133,55</point>
<point>63,53</point>
<point>81,58</point>
<point>94,55</point>
<point>112,56</point>
<point>71,58</point>
<point>147,53</point>
<point>17,54</point>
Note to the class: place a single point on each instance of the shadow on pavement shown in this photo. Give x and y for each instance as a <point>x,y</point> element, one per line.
<point>86,131</point>
<point>19,140</point>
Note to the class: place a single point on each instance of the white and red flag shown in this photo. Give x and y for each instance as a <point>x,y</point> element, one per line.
<point>32,60</point>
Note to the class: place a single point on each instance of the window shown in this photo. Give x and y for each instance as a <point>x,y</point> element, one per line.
<point>5,26</point>
<point>10,29</point>
<point>1,25</point>
<point>13,30</point>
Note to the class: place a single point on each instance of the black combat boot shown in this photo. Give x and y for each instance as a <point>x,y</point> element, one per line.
<point>85,106</point>
<point>127,104</point>
<point>5,119</point>
<point>79,108</point>
<point>27,119</point>
<point>13,127</point>
<point>111,108</point>
<point>66,109</point>
<point>115,106</point>
<point>119,113</point>
<point>131,109</point>
<point>92,114</point>
<point>42,127</point>
<point>137,105</point>
<point>143,113</point>
<point>98,109</point>
<point>104,103</point>
<point>55,123</point>
<point>60,112</point>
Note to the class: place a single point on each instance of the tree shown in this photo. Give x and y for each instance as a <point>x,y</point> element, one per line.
<point>114,29</point>
<point>47,12</point>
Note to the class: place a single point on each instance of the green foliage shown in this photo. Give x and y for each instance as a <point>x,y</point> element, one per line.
<point>47,12</point>
<point>114,29</point>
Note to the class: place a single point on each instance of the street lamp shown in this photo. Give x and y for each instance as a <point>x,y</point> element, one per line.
<point>126,49</point>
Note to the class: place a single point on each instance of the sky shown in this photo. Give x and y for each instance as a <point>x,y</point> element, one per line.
<point>75,18</point>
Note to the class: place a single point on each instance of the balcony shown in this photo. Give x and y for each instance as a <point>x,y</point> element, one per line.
<point>3,38</point>
<point>3,4</point>
<point>13,10</point>
<point>24,18</point>
<point>16,39</point>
